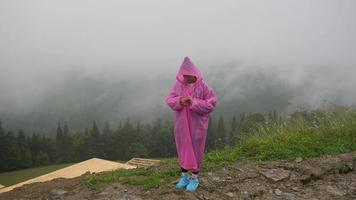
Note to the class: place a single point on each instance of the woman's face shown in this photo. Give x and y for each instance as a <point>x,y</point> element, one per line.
<point>190,78</point>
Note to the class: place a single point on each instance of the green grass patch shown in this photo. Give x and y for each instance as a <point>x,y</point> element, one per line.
<point>146,178</point>
<point>13,177</point>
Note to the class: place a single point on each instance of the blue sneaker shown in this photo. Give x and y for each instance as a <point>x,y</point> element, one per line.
<point>193,184</point>
<point>183,182</point>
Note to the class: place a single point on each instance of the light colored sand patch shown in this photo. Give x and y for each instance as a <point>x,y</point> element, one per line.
<point>91,165</point>
<point>1,186</point>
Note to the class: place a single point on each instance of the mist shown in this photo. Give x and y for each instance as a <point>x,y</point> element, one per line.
<point>80,61</point>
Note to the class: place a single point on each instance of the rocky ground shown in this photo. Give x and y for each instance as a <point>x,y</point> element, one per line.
<point>327,177</point>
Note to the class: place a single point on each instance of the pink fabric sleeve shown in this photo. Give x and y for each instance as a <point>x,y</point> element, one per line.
<point>173,99</point>
<point>206,105</point>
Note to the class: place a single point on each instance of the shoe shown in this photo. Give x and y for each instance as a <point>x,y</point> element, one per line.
<point>193,184</point>
<point>183,182</point>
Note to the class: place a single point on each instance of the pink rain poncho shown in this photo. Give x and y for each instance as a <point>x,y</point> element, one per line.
<point>191,121</point>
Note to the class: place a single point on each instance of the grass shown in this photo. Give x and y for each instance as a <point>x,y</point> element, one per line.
<point>147,178</point>
<point>13,177</point>
<point>304,134</point>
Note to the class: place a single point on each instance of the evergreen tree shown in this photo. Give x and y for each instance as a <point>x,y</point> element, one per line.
<point>107,141</point>
<point>48,147</point>
<point>24,150</point>
<point>60,144</point>
<point>211,136</point>
<point>107,130</point>
<point>11,155</point>
<point>95,145</point>
<point>35,146</point>
<point>68,151</point>
<point>41,159</point>
<point>2,147</point>
<point>221,132</point>
<point>95,133</point>
<point>162,140</point>
<point>233,131</point>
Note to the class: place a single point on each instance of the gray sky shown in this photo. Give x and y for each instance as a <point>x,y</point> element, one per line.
<point>69,33</point>
<point>309,41</point>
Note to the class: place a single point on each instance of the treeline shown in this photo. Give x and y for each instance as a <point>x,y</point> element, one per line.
<point>19,151</point>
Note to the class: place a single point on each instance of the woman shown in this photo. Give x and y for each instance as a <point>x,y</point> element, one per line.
<point>192,100</point>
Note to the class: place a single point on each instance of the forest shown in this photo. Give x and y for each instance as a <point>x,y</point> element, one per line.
<point>20,150</point>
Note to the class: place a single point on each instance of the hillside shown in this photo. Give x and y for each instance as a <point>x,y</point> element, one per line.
<point>314,178</point>
<point>310,155</point>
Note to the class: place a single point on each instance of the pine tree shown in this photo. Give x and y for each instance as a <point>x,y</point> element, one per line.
<point>68,151</point>
<point>25,151</point>
<point>41,158</point>
<point>107,130</point>
<point>95,142</point>
<point>2,133</point>
<point>11,155</point>
<point>221,132</point>
<point>2,147</point>
<point>211,136</point>
<point>107,141</point>
<point>35,147</point>
<point>60,143</point>
<point>233,131</point>
<point>65,129</point>
<point>95,130</point>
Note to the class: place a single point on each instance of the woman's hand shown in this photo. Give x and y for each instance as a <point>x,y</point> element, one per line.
<point>186,100</point>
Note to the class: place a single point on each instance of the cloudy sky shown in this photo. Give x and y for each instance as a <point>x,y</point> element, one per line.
<point>41,41</point>
<point>68,33</point>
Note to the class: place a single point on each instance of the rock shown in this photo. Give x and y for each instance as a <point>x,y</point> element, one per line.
<point>104,193</point>
<point>200,197</point>
<point>334,191</point>
<point>277,192</point>
<point>215,178</point>
<point>210,174</point>
<point>115,185</point>
<point>288,196</point>
<point>354,165</point>
<point>275,174</point>
<point>260,190</point>
<point>230,194</point>
<point>299,159</point>
<point>175,182</point>
<point>344,168</point>
<point>306,179</point>
<point>315,174</point>
<point>58,192</point>
<point>203,197</point>
<point>125,190</point>
<point>228,178</point>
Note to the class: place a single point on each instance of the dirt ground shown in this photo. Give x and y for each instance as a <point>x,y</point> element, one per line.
<point>315,178</point>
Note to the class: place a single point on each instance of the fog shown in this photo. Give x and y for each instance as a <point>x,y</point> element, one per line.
<point>85,60</point>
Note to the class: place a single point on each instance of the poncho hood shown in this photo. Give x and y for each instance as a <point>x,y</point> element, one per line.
<point>188,68</point>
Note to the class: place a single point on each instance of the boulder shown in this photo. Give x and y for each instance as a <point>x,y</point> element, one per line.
<point>275,175</point>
